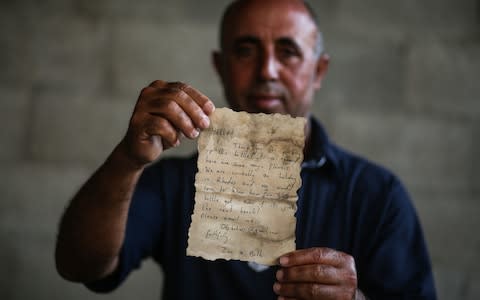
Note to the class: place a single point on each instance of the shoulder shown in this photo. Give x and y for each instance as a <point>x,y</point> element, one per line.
<point>350,165</point>
<point>371,183</point>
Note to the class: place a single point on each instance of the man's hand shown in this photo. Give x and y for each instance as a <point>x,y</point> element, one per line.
<point>92,230</point>
<point>164,112</point>
<point>317,273</point>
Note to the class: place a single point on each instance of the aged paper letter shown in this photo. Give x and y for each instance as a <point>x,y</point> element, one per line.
<point>246,187</point>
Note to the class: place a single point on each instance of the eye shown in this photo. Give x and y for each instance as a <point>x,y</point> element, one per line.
<point>244,51</point>
<point>287,52</point>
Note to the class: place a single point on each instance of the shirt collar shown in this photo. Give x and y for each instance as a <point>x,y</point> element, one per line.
<point>322,154</point>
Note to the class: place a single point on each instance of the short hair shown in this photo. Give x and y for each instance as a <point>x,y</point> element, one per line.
<point>319,45</point>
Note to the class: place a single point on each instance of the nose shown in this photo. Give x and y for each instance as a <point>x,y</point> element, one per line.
<point>269,67</point>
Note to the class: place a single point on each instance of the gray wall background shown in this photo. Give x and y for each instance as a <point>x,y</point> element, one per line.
<point>403,90</point>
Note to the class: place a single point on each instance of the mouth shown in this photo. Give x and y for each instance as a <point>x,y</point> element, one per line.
<point>266,101</point>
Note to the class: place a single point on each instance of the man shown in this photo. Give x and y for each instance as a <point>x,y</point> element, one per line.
<point>357,233</point>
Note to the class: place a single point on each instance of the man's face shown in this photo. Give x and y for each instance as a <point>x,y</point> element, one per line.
<point>268,61</point>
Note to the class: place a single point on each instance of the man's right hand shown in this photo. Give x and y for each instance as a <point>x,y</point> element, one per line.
<point>165,111</point>
<point>92,229</point>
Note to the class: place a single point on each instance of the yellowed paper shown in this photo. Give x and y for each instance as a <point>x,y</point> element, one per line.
<point>246,187</point>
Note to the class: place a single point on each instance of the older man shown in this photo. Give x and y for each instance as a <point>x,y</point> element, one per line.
<point>357,231</point>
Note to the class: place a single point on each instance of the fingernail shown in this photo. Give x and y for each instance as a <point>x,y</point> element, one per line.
<point>208,107</point>
<point>279,274</point>
<point>276,287</point>
<point>283,260</point>
<point>194,133</point>
<point>177,143</point>
<point>204,122</point>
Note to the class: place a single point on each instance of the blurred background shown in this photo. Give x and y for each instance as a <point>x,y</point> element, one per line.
<point>403,90</point>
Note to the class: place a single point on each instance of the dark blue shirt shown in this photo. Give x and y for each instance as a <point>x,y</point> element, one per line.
<point>345,203</point>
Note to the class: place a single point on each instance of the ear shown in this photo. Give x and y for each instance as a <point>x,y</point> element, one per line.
<point>321,70</point>
<point>217,61</point>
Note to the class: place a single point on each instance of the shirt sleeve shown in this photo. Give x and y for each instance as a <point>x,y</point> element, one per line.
<point>142,233</point>
<point>397,264</point>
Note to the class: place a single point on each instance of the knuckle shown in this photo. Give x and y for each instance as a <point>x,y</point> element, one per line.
<point>349,261</point>
<point>350,293</point>
<point>150,126</point>
<point>337,255</point>
<point>162,123</point>
<point>182,96</point>
<point>157,83</point>
<point>135,120</point>
<point>318,271</point>
<point>199,114</point>
<point>352,279</point>
<point>171,106</point>
<point>145,90</point>
<point>176,94</point>
<point>317,254</point>
<point>178,85</point>
<point>315,291</point>
<point>346,295</point>
<point>166,132</point>
<point>170,136</point>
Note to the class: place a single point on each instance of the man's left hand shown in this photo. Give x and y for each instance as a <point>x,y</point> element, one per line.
<point>316,273</point>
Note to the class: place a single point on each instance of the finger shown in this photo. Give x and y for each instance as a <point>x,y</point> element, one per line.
<point>315,256</point>
<point>319,273</point>
<point>195,112</point>
<point>307,291</point>
<point>171,110</point>
<point>178,107</point>
<point>203,101</point>
<point>158,126</point>
<point>144,126</point>
<point>148,137</point>
<point>158,84</point>
<point>179,119</point>
<point>189,106</point>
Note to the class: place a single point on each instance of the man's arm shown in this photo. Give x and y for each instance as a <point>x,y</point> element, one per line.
<point>92,229</point>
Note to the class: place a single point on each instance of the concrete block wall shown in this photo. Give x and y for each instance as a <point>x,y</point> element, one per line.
<point>403,90</point>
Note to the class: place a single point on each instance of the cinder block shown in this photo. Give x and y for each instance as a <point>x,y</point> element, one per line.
<point>326,11</point>
<point>428,154</point>
<point>473,292</point>
<point>164,11</point>
<point>475,167</point>
<point>35,195</point>
<point>449,221</point>
<point>418,19</point>
<point>146,51</point>
<point>70,128</point>
<point>33,199</point>
<point>450,282</point>
<point>444,78</point>
<point>70,52</point>
<point>9,267</point>
<point>35,274</point>
<point>29,8</point>
<point>15,55</point>
<point>361,74</point>
<point>14,110</point>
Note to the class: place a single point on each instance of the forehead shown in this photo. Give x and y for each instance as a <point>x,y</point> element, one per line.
<point>270,20</point>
